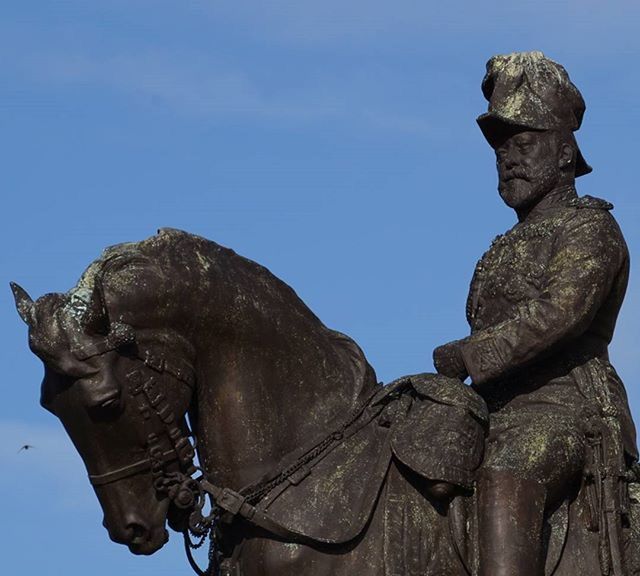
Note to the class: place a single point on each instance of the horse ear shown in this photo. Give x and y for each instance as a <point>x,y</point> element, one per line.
<point>96,317</point>
<point>24,304</point>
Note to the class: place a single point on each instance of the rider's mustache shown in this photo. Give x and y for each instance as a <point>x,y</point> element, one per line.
<point>516,174</point>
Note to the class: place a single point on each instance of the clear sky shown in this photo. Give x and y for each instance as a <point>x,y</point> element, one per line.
<point>332,141</point>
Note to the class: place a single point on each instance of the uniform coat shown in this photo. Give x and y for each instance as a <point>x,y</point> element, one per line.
<point>542,308</point>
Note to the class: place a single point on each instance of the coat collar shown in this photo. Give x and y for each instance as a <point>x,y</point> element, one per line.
<point>561,196</point>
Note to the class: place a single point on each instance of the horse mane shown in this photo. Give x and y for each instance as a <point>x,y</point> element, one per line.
<point>201,263</point>
<point>173,250</point>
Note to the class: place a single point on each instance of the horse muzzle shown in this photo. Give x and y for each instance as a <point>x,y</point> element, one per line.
<point>137,535</point>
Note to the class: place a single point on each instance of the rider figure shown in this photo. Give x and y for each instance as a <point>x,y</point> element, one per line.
<point>542,308</point>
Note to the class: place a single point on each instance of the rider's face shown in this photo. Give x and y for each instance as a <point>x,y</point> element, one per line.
<point>528,167</point>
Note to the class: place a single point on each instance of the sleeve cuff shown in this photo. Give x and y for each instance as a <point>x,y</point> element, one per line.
<point>482,359</point>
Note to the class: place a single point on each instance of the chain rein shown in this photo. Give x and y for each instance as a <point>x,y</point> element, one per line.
<point>254,493</point>
<point>184,491</point>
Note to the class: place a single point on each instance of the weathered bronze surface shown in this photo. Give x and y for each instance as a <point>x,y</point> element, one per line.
<point>311,465</point>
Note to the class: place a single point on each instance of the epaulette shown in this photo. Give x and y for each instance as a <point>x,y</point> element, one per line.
<point>591,202</point>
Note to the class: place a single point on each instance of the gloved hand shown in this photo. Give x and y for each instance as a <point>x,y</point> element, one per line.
<point>448,360</point>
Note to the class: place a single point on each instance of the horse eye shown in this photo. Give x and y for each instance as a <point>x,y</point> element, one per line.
<point>106,407</point>
<point>110,404</point>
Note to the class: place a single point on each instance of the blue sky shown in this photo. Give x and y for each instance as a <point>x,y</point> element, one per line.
<point>334,142</point>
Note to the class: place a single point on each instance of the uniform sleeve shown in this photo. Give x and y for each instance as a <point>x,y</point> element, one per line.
<point>589,254</point>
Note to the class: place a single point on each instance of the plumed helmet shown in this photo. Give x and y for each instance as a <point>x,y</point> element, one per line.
<point>527,90</point>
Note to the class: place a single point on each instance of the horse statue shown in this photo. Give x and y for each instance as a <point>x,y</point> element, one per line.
<point>311,465</point>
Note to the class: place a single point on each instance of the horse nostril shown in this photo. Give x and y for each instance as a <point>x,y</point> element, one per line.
<point>136,532</point>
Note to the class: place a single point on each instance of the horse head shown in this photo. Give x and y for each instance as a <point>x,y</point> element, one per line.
<point>121,392</point>
<point>176,324</point>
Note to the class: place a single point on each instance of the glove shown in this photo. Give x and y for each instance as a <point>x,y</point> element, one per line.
<point>448,360</point>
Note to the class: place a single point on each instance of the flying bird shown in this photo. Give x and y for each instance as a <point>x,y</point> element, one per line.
<point>25,447</point>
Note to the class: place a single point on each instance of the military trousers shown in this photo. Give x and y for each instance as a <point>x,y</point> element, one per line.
<point>538,434</point>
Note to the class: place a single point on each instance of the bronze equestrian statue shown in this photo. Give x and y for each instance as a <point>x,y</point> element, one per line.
<point>313,467</point>
<point>542,308</point>
<point>176,345</point>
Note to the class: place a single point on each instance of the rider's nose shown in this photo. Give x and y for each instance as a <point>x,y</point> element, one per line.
<point>509,161</point>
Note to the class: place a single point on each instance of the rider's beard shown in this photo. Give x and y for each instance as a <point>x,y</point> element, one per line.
<point>522,188</point>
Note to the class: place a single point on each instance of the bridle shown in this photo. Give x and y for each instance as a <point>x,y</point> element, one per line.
<point>166,441</point>
<point>189,494</point>
<point>160,424</point>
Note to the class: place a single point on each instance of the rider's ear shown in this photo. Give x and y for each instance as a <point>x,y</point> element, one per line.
<point>566,156</point>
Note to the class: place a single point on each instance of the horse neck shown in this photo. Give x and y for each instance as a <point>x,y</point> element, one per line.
<point>257,403</point>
